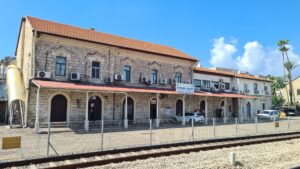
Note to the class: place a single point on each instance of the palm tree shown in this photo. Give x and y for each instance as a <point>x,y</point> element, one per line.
<point>289,65</point>
<point>283,49</point>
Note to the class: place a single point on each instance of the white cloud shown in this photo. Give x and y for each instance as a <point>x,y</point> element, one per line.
<point>221,53</point>
<point>255,58</point>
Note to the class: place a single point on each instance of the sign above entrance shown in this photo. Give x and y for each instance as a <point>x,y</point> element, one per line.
<point>183,88</point>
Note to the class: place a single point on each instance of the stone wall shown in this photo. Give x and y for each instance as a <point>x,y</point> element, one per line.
<point>112,59</point>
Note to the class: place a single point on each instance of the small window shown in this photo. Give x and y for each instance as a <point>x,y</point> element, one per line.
<point>197,83</point>
<point>154,76</point>
<point>255,86</point>
<point>266,88</point>
<point>206,84</point>
<point>245,86</point>
<point>96,70</point>
<point>216,85</point>
<point>60,67</point>
<point>227,86</point>
<point>127,73</point>
<point>298,91</point>
<point>178,77</point>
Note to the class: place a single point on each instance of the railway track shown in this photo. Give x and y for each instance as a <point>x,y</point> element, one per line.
<point>139,153</point>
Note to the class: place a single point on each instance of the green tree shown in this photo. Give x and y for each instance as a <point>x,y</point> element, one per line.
<point>290,66</point>
<point>277,83</point>
<point>282,44</point>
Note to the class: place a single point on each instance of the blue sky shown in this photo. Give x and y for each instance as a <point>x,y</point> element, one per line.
<point>233,33</point>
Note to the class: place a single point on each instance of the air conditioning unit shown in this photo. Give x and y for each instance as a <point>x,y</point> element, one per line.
<point>118,77</point>
<point>43,75</point>
<point>163,81</point>
<point>144,80</point>
<point>108,80</point>
<point>187,81</point>
<point>174,81</point>
<point>75,76</point>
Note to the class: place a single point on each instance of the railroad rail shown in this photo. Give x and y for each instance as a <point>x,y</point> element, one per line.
<point>138,153</point>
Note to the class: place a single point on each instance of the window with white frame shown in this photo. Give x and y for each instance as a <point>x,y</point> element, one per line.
<point>95,70</point>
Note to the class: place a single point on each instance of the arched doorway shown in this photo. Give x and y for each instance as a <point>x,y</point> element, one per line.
<point>202,107</point>
<point>153,106</point>
<point>179,106</point>
<point>130,108</point>
<point>95,108</point>
<point>248,108</point>
<point>59,106</point>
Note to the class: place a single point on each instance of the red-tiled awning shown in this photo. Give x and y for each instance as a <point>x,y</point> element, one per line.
<point>93,88</point>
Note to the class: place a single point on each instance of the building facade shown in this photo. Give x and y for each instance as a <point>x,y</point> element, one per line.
<point>80,75</point>
<point>296,93</point>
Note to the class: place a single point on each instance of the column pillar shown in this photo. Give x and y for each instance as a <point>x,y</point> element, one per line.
<point>37,112</point>
<point>125,113</point>
<point>183,110</point>
<point>225,110</point>
<point>86,122</point>
<point>157,110</point>
<point>206,106</point>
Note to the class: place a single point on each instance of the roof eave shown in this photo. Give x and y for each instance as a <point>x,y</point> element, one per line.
<point>178,57</point>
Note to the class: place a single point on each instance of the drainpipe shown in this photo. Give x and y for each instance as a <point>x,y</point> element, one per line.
<point>37,111</point>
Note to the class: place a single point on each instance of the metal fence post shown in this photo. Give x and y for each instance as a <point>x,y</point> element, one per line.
<point>193,136</point>
<point>274,125</point>
<point>236,126</point>
<point>150,127</point>
<point>48,141</point>
<point>214,124</point>
<point>102,134</point>
<point>256,125</point>
<point>288,123</point>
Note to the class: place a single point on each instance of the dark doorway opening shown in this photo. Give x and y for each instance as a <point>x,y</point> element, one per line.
<point>202,108</point>
<point>179,106</point>
<point>58,109</point>
<point>95,108</point>
<point>153,103</point>
<point>248,109</point>
<point>130,109</point>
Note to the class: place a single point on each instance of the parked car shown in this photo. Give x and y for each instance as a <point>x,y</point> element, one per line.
<point>288,110</point>
<point>197,117</point>
<point>268,115</point>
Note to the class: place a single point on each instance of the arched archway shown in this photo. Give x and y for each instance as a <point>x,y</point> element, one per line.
<point>130,108</point>
<point>95,108</point>
<point>179,106</point>
<point>202,107</point>
<point>248,109</point>
<point>153,105</point>
<point>59,105</point>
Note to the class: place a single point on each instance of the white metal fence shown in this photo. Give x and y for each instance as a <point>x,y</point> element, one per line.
<point>61,139</point>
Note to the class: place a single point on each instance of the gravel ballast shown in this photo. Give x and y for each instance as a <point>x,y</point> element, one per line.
<point>284,154</point>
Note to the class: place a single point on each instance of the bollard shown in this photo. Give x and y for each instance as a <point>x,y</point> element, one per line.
<point>102,134</point>
<point>214,124</point>
<point>232,158</point>
<point>150,128</point>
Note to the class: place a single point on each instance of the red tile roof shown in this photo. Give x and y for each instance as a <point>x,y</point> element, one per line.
<point>93,88</point>
<point>227,73</point>
<point>54,28</point>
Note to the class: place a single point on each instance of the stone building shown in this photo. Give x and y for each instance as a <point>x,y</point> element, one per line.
<point>75,75</point>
